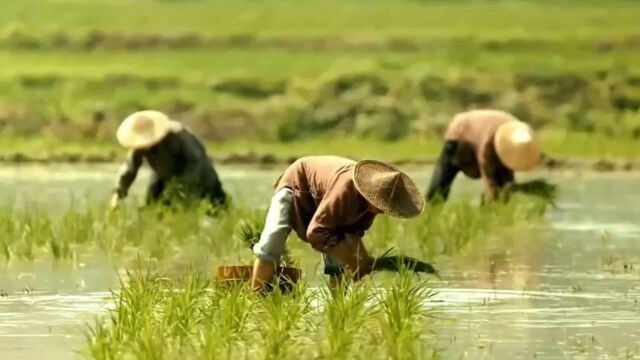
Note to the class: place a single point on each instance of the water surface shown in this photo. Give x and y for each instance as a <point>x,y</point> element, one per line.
<point>568,290</point>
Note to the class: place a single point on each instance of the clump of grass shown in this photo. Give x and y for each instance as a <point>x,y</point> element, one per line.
<point>346,313</point>
<point>178,236</point>
<point>456,227</point>
<point>249,233</point>
<point>151,232</point>
<point>162,317</point>
<point>402,310</point>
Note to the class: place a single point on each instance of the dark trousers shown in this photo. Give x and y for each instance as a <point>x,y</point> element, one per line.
<point>444,173</point>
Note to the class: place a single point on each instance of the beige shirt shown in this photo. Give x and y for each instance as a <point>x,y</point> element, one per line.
<point>476,156</point>
<point>326,203</point>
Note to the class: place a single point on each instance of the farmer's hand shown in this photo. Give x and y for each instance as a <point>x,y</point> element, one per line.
<point>262,275</point>
<point>114,203</point>
<point>352,253</point>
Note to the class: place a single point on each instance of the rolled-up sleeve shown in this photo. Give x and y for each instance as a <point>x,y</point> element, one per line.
<point>128,173</point>
<point>339,206</point>
<point>273,239</point>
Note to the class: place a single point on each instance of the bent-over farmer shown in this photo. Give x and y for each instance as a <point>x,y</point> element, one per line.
<point>330,202</point>
<point>176,157</point>
<point>487,144</point>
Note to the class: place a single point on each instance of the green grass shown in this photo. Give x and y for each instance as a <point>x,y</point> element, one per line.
<point>307,18</point>
<point>179,236</point>
<point>168,314</point>
<point>561,65</point>
<point>160,318</point>
<point>168,309</point>
<point>565,144</point>
<point>556,144</point>
<point>198,65</point>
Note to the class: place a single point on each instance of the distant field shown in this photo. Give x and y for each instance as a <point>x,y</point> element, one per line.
<point>252,73</point>
<point>199,64</point>
<point>577,146</point>
<point>490,19</point>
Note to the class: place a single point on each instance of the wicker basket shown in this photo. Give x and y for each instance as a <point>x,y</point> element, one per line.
<point>233,275</point>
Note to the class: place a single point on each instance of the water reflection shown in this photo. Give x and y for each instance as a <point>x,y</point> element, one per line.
<point>570,289</point>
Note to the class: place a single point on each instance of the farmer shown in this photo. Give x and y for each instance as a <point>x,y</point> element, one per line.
<point>178,160</point>
<point>329,202</point>
<point>487,144</point>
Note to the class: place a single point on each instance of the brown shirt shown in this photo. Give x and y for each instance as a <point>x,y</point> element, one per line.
<point>476,156</point>
<point>326,204</point>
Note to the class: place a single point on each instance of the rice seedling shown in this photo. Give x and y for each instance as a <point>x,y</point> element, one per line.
<point>159,317</point>
<point>185,315</point>
<point>192,236</point>
<point>249,233</point>
<point>402,310</point>
<point>346,316</point>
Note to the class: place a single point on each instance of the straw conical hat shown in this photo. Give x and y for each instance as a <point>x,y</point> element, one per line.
<point>517,146</point>
<point>388,189</point>
<point>144,129</point>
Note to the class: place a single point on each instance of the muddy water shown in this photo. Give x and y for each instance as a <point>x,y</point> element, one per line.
<point>571,290</point>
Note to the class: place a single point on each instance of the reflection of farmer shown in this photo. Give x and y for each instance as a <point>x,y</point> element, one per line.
<point>329,202</point>
<point>178,160</point>
<point>490,144</point>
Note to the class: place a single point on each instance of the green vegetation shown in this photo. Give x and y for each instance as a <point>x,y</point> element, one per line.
<point>557,144</point>
<point>267,80</point>
<point>280,77</point>
<point>160,315</point>
<point>159,318</point>
<point>191,236</point>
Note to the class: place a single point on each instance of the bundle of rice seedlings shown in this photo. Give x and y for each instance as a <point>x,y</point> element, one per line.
<point>249,233</point>
<point>537,187</point>
<point>390,262</point>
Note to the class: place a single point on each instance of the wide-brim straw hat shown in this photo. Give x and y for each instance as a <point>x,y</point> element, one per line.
<point>388,189</point>
<point>517,146</point>
<point>143,129</point>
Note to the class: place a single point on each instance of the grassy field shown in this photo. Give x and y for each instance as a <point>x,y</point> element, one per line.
<point>167,307</point>
<point>360,78</point>
<point>248,75</point>
<point>573,147</point>
<point>496,19</point>
<point>190,236</point>
<point>155,320</point>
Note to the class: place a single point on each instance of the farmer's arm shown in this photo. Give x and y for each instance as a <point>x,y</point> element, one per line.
<point>496,178</point>
<point>128,173</point>
<point>339,206</point>
<point>263,271</point>
<point>272,243</point>
<point>495,175</point>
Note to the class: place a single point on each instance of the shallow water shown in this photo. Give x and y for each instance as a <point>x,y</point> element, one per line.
<point>571,290</point>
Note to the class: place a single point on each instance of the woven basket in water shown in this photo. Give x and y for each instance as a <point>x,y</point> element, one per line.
<point>231,275</point>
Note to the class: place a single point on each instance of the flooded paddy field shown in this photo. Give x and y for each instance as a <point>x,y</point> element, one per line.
<point>565,286</point>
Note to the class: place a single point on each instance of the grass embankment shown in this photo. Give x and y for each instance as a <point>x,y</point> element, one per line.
<point>564,150</point>
<point>281,77</point>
